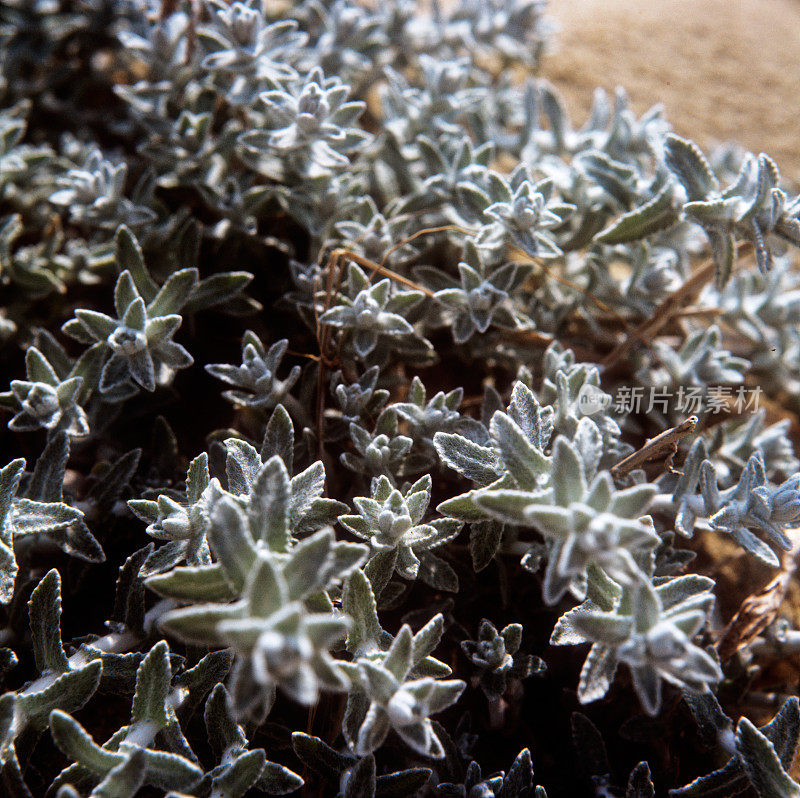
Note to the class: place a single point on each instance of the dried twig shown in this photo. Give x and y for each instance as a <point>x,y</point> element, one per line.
<point>667,310</point>
<point>379,268</point>
<point>337,259</point>
<point>759,610</point>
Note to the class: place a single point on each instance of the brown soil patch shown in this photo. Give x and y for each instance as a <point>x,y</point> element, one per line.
<point>724,69</point>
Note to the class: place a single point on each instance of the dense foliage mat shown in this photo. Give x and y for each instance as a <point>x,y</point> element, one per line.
<point>361,409</point>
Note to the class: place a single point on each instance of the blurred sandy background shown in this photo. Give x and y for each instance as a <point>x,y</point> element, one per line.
<point>724,69</point>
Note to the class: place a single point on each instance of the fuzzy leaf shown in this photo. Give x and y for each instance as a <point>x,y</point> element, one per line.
<point>129,256</point>
<point>241,774</point>
<point>193,583</point>
<point>125,779</point>
<point>269,505</point>
<point>358,602</point>
<point>75,743</point>
<point>320,757</point>
<point>152,687</point>
<point>475,462</point>
<point>68,692</point>
<point>279,438</point>
<point>44,611</point>
<point>656,215</point>
<point>230,538</point>
<point>639,783</point>
<point>690,166</point>
<point>762,764</point>
<point>485,538</point>
<point>361,780</point>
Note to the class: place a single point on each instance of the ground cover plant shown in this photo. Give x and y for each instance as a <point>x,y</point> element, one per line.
<point>374,429</point>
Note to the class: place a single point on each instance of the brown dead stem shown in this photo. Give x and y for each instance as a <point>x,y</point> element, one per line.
<point>334,273</point>
<point>760,609</point>
<point>610,313</point>
<point>667,310</point>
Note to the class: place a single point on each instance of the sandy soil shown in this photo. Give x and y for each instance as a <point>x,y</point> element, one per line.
<point>724,69</point>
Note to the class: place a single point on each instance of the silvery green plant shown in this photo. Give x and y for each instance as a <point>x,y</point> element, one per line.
<point>200,155</point>
<point>309,126</point>
<point>184,519</point>
<point>754,208</point>
<point>574,391</point>
<point>522,218</point>
<point>278,641</point>
<point>763,309</point>
<point>497,659</point>
<point>129,758</point>
<point>247,470</point>
<point>181,521</point>
<point>751,503</point>
<point>438,105</point>
<point>514,31</point>
<point>732,444</point>
<point>368,640</point>
<point>240,768</point>
<point>481,297</point>
<point>94,194</point>
<point>49,400</point>
<point>657,271</point>
<point>391,521</point>
<point>457,180</point>
<point>356,399</point>
<point>371,317</point>
<point>381,452</point>
<point>39,269</point>
<point>246,54</point>
<point>162,46</point>
<point>367,232</point>
<point>700,362</point>
<point>649,627</point>
<point>138,346</point>
<point>760,759</point>
<point>434,228</point>
<point>351,42</point>
<point>256,382</point>
<point>516,442</point>
<point>518,781</point>
<point>396,683</point>
<point>392,700</point>
<point>356,774</point>
<point>514,471</point>
<point>755,503</point>
<point>39,511</point>
<point>20,161</point>
<point>64,683</point>
<point>12,129</point>
<point>279,585</point>
<point>138,350</point>
<point>582,516</point>
<point>425,417</point>
<point>610,127</point>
